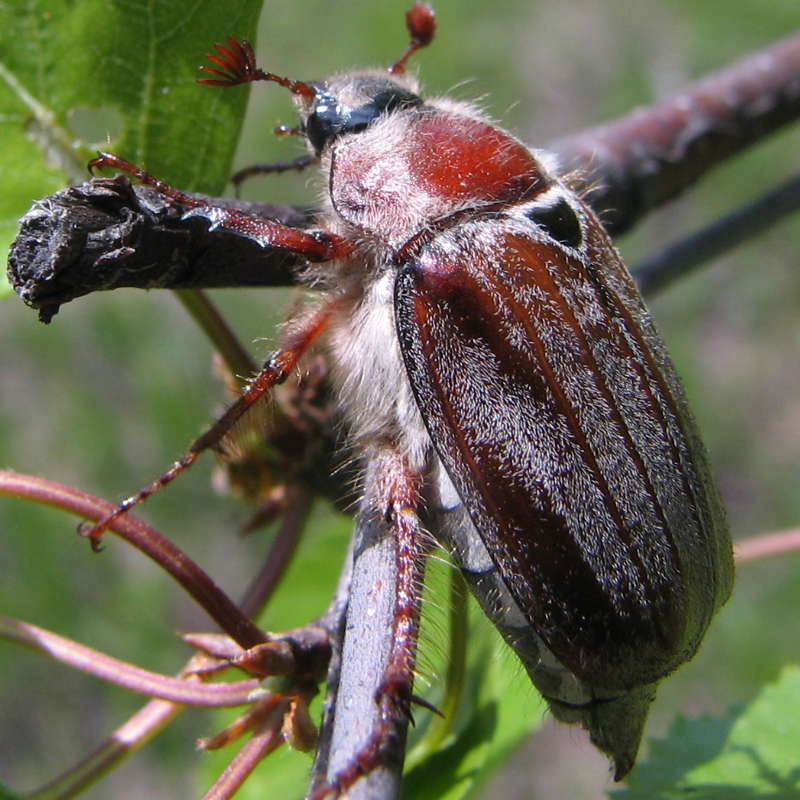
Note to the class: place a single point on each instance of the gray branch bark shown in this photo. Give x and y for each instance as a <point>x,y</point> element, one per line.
<point>366,650</point>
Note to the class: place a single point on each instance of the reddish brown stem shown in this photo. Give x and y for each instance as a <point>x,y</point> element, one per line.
<point>135,679</point>
<point>767,545</point>
<point>146,539</point>
<point>280,554</point>
<point>156,714</point>
<point>261,744</point>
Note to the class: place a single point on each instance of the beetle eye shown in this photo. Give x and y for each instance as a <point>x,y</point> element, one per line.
<point>323,125</point>
<point>559,221</point>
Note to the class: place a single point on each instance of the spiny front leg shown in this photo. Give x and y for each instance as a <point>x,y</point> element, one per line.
<point>370,735</point>
<point>303,334</point>
<point>313,245</point>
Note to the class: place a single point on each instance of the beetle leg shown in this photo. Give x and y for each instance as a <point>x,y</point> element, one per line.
<point>104,160</point>
<point>313,245</point>
<point>276,369</point>
<point>299,163</point>
<point>396,497</point>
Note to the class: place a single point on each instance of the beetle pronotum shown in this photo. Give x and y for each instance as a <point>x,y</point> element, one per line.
<point>504,387</point>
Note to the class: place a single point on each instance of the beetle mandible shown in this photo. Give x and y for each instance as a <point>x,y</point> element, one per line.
<point>496,367</point>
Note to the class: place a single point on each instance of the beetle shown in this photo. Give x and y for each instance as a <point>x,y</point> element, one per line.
<point>504,387</point>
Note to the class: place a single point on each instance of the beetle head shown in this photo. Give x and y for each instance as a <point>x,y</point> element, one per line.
<point>344,103</point>
<point>350,102</point>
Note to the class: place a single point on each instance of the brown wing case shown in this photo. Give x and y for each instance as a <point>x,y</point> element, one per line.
<point>562,424</point>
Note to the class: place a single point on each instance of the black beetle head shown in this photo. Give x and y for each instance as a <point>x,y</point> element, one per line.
<point>349,103</point>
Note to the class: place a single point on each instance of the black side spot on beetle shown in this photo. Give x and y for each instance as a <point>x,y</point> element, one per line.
<point>559,221</point>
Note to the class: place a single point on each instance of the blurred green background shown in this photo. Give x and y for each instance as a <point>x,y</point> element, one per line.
<point>107,395</point>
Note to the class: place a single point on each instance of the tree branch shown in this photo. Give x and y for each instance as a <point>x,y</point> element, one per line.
<point>106,234</point>
<point>365,654</point>
<point>646,158</point>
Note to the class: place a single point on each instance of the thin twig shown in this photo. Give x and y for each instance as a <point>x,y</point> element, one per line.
<point>767,545</point>
<point>149,541</point>
<point>281,552</point>
<point>726,233</point>
<point>121,673</point>
<point>213,324</point>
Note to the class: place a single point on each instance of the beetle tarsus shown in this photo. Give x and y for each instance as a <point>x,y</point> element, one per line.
<point>105,160</point>
<point>236,62</point>
<point>237,65</point>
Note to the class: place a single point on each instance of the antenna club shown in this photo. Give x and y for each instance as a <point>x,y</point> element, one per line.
<point>235,64</point>
<point>421,23</point>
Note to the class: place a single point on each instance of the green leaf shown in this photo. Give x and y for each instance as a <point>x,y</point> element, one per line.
<point>122,76</point>
<point>750,752</point>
